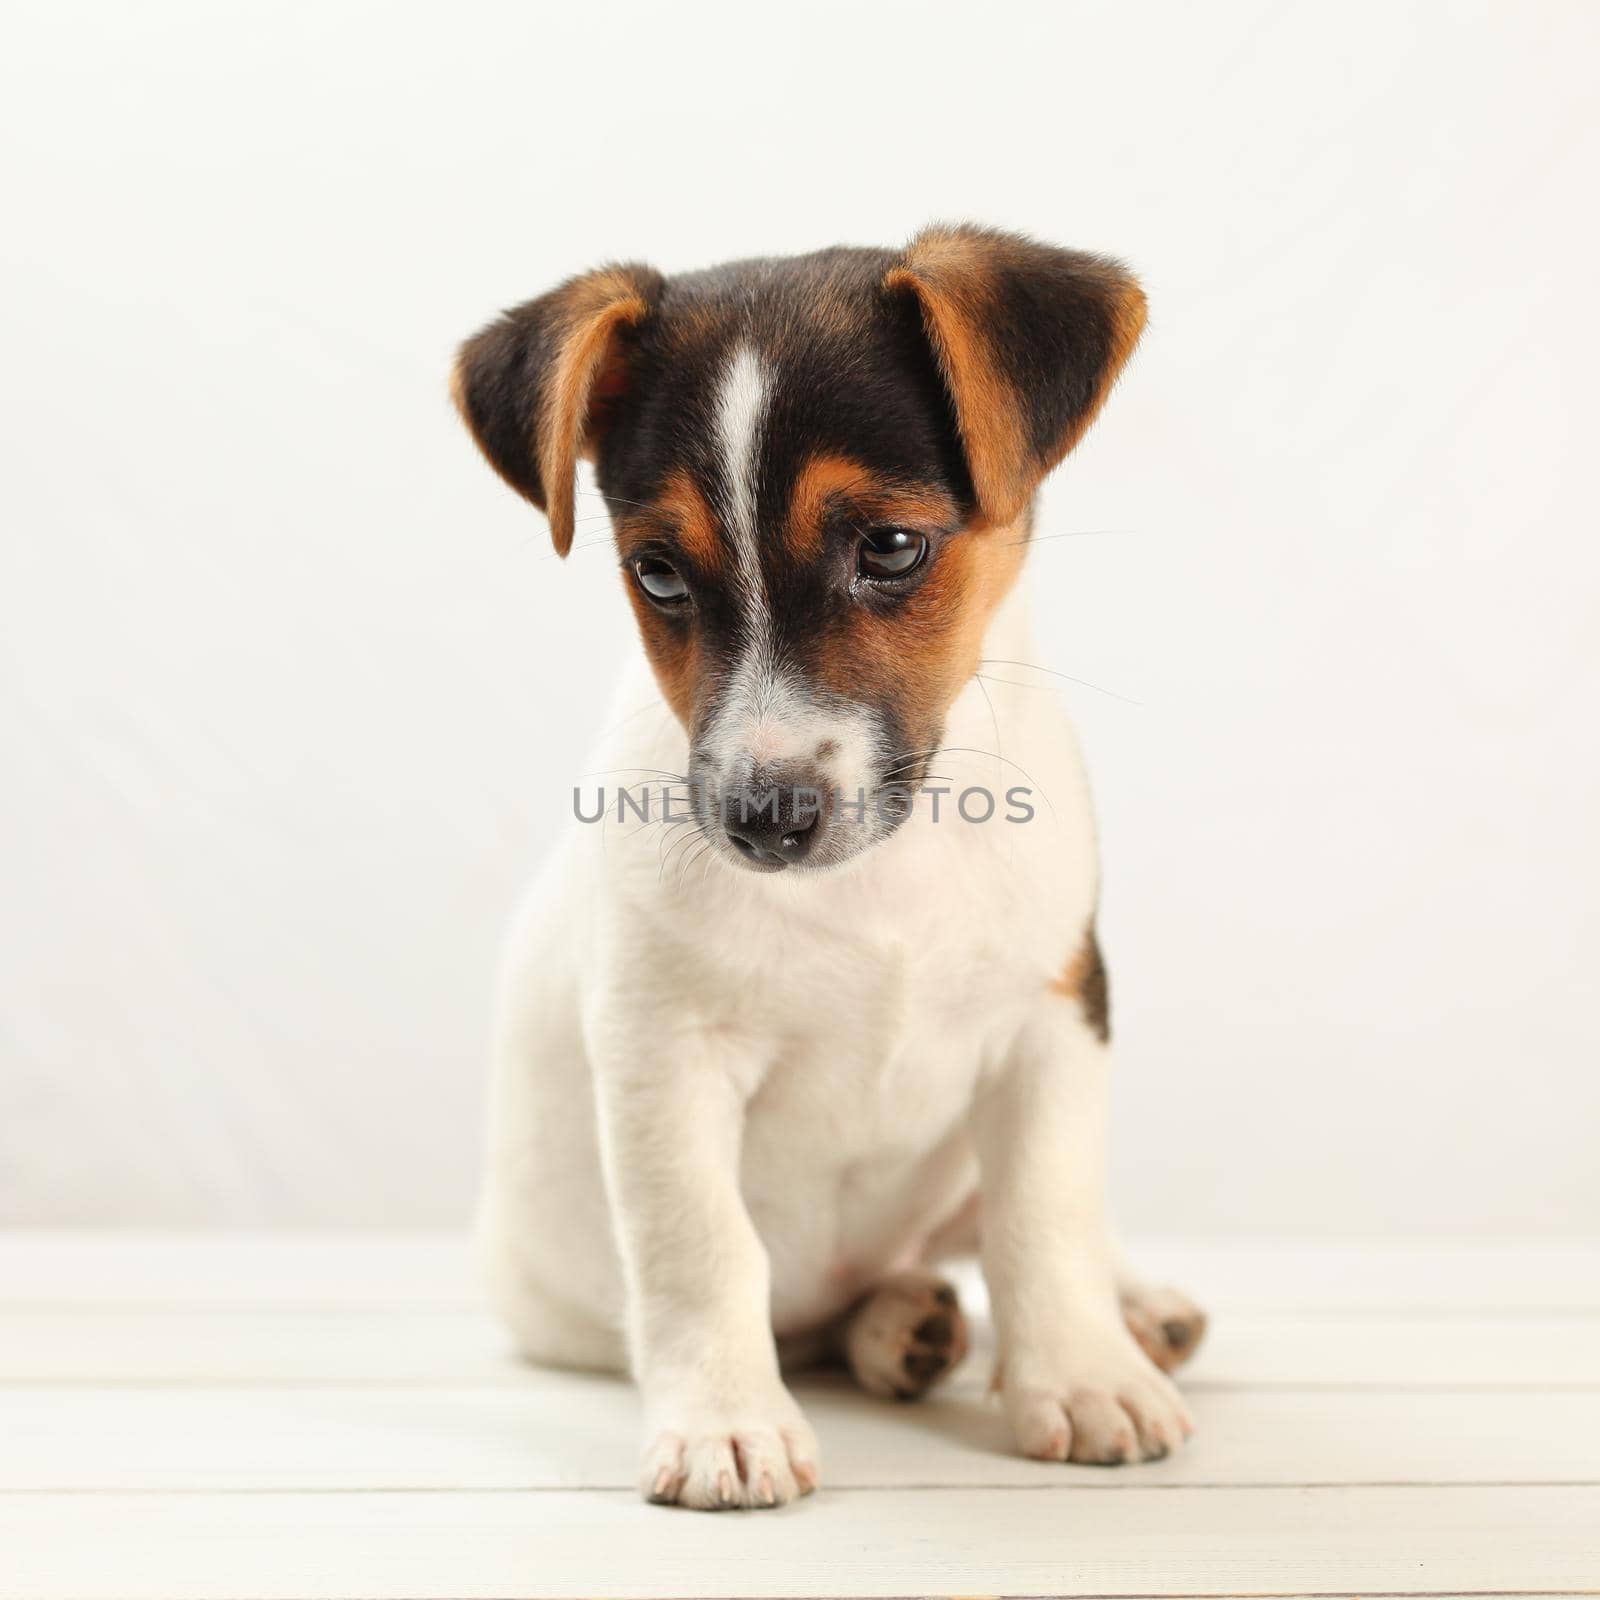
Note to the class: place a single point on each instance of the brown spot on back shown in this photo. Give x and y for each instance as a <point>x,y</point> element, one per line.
<point>1085,981</point>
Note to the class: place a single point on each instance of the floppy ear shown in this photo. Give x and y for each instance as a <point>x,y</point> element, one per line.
<point>1029,340</point>
<point>536,387</point>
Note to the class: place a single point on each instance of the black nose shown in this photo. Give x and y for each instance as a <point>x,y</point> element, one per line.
<point>773,822</point>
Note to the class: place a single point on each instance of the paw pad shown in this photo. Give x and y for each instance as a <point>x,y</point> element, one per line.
<point>1169,1327</point>
<point>905,1336</point>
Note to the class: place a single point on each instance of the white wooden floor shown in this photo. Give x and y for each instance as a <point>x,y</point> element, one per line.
<point>258,1418</point>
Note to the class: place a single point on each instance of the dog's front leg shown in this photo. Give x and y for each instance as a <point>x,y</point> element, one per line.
<point>721,1428</point>
<point>1076,1384</point>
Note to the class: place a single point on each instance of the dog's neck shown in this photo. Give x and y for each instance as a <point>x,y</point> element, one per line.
<point>1009,636</point>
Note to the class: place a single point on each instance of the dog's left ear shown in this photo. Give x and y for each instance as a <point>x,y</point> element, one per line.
<point>536,388</point>
<point>1029,340</point>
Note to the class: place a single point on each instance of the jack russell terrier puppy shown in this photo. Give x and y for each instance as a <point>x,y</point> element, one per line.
<point>760,1063</point>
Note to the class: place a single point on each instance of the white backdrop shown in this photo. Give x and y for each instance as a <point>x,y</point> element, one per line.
<point>287,702</point>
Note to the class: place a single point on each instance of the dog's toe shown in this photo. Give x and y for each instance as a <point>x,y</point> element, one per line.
<point>1113,1411</point>
<point>729,1466</point>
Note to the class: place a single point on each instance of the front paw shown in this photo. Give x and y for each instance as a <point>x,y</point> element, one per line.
<point>1100,1401</point>
<point>714,1460</point>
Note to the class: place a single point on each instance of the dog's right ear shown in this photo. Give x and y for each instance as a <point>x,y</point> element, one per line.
<point>1029,340</point>
<point>537,386</point>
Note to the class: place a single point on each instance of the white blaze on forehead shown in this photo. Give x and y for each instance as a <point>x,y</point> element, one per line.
<point>747,702</point>
<point>767,715</point>
<point>741,420</point>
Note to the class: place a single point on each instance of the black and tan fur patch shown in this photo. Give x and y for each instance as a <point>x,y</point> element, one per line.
<point>928,389</point>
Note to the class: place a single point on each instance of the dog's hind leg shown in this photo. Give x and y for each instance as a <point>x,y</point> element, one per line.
<point>552,1327</point>
<point>1168,1325</point>
<point>556,1333</point>
<point>904,1335</point>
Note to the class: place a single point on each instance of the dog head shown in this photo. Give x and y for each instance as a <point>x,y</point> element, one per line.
<point>819,472</point>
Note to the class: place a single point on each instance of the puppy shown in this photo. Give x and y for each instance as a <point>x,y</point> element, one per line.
<point>760,1062</point>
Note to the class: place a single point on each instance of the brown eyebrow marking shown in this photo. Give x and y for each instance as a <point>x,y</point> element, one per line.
<point>821,482</point>
<point>828,482</point>
<point>682,508</point>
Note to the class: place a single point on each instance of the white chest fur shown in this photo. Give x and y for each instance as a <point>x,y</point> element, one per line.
<point>852,1014</point>
<point>860,1008</point>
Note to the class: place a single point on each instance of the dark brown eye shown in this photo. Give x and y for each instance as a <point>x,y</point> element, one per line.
<point>890,553</point>
<point>660,580</point>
